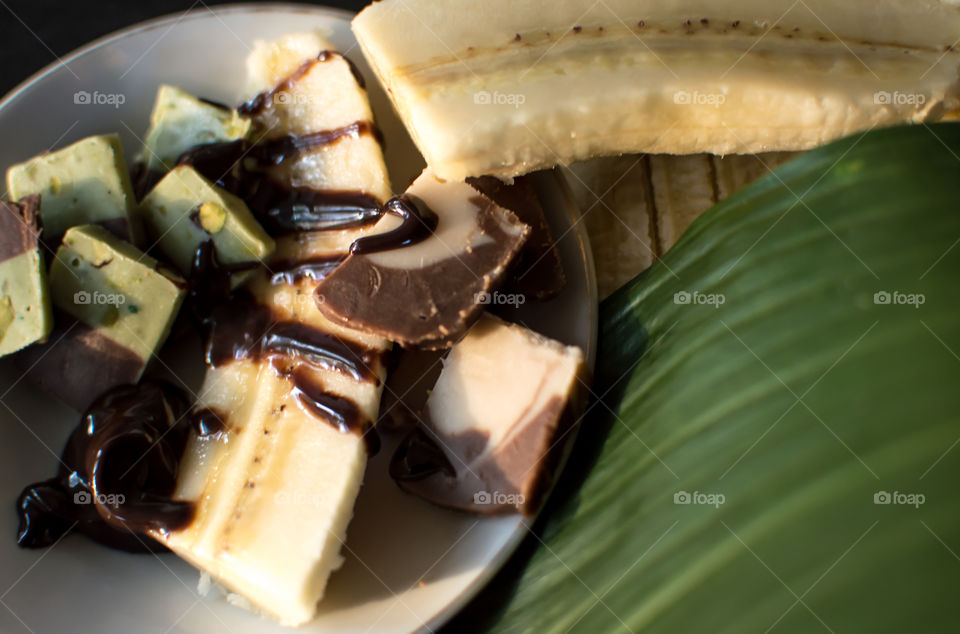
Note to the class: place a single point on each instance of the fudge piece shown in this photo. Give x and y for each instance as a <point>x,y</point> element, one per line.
<point>425,277</point>
<point>114,307</point>
<point>180,121</point>
<point>185,210</point>
<point>25,314</point>
<point>493,424</point>
<point>84,183</point>
<point>539,272</point>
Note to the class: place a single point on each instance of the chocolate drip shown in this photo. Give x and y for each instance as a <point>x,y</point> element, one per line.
<point>221,163</point>
<point>118,472</point>
<point>325,55</point>
<point>209,283</point>
<point>274,151</point>
<point>281,209</point>
<point>215,104</point>
<point>418,223</point>
<point>418,457</point>
<point>340,412</point>
<point>321,349</point>
<point>316,268</point>
<point>248,330</point>
<point>208,421</point>
<point>143,179</point>
<point>237,329</point>
<point>265,99</point>
<point>301,209</point>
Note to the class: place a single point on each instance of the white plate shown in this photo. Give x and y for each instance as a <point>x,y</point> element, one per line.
<point>409,565</point>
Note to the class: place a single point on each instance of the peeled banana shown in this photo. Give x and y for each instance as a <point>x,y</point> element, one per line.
<point>275,488</point>
<point>504,88</point>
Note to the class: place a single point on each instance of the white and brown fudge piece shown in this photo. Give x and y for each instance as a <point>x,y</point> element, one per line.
<point>492,427</point>
<point>538,274</point>
<point>421,280</point>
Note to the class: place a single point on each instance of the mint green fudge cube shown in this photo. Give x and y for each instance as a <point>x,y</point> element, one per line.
<point>185,210</point>
<point>84,183</point>
<point>114,307</point>
<point>180,121</point>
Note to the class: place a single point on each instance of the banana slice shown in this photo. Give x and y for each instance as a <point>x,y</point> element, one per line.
<point>505,88</point>
<point>290,404</point>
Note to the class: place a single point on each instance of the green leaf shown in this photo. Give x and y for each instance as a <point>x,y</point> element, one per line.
<point>796,394</point>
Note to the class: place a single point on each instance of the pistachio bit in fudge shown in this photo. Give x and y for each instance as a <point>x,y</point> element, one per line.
<point>180,121</point>
<point>426,275</point>
<point>113,310</point>
<point>488,438</point>
<point>84,183</point>
<point>538,273</point>
<point>186,210</point>
<point>25,312</point>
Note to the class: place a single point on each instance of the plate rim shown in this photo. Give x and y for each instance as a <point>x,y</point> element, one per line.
<point>580,235</point>
<point>172,18</point>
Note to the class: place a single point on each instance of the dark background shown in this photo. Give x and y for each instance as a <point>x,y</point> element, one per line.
<point>34,33</point>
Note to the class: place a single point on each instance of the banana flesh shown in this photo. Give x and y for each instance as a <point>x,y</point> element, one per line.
<point>505,88</point>
<point>275,489</point>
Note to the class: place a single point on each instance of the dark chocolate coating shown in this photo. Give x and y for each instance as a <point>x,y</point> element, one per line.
<point>538,273</point>
<point>19,226</point>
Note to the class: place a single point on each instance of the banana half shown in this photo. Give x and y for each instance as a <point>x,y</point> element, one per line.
<point>504,88</point>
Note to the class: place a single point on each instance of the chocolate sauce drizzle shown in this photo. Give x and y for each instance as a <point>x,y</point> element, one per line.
<point>315,268</point>
<point>117,473</point>
<point>340,412</point>
<point>274,151</point>
<point>234,166</point>
<point>245,329</point>
<point>265,99</point>
<point>418,222</point>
